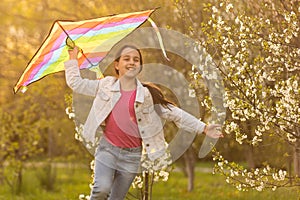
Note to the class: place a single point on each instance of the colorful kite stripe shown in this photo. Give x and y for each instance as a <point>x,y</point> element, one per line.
<point>95,37</point>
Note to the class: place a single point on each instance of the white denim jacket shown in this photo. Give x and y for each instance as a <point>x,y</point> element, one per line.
<point>107,92</point>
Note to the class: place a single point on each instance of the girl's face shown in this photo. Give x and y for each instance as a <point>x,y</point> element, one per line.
<point>129,64</point>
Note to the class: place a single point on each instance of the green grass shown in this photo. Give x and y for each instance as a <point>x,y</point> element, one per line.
<point>214,187</point>
<point>72,181</point>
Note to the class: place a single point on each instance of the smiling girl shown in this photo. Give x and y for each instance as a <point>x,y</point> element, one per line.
<point>132,114</point>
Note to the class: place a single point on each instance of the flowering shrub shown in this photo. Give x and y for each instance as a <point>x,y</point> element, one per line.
<point>257,52</point>
<point>243,179</point>
<point>152,171</point>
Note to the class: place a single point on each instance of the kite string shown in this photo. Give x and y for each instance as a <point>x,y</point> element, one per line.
<point>94,68</point>
<point>73,42</point>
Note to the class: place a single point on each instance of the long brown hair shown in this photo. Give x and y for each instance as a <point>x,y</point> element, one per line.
<point>157,95</point>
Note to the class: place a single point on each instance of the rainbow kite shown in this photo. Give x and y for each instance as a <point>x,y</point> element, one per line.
<point>95,37</point>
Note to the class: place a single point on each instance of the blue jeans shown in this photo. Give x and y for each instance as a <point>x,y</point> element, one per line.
<point>115,169</point>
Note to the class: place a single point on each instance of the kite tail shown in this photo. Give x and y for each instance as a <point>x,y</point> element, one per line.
<point>159,37</point>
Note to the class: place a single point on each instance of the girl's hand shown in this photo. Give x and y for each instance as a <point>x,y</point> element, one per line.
<point>213,131</point>
<point>73,53</point>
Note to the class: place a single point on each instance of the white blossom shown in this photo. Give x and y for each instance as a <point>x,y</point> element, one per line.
<point>228,7</point>
<point>214,9</point>
<point>256,140</point>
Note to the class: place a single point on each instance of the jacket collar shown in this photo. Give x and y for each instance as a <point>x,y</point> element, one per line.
<point>140,93</point>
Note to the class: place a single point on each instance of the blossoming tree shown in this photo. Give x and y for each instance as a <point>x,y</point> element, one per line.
<point>258,54</point>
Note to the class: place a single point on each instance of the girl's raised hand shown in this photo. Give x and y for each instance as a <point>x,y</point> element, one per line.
<point>73,53</point>
<point>213,131</point>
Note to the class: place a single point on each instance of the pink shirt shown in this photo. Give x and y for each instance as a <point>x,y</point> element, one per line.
<point>121,126</point>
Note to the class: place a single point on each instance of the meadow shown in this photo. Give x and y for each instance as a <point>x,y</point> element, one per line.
<point>72,180</point>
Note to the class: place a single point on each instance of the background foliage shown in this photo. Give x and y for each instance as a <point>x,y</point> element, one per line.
<point>34,126</point>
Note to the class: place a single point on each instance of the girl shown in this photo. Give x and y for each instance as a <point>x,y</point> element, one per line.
<point>132,113</point>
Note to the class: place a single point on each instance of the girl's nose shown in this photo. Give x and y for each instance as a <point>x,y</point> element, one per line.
<point>131,62</point>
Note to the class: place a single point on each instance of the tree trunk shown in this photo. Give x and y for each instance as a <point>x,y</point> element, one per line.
<point>250,156</point>
<point>297,160</point>
<point>19,179</point>
<point>189,167</point>
<point>297,154</point>
<point>249,148</point>
<point>1,172</point>
<point>146,190</point>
